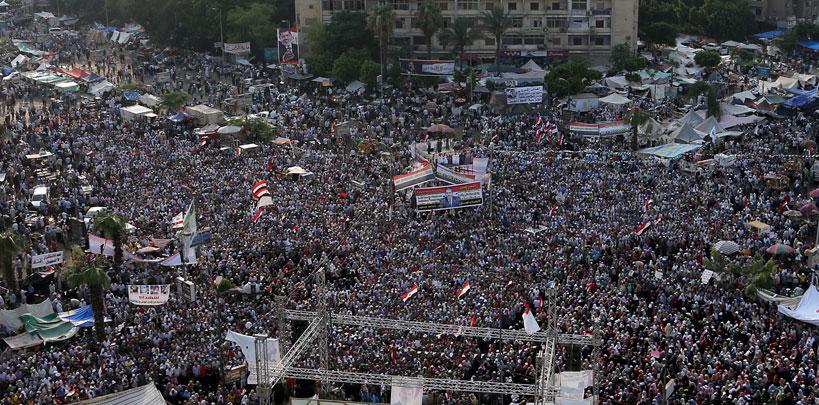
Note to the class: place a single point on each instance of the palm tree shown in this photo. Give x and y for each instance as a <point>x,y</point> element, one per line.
<point>429,21</point>
<point>381,22</point>
<point>10,245</point>
<point>636,117</point>
<point>496,22</point>
<point>460,34</point>
<point>82,272</point>
<point>113,228</point>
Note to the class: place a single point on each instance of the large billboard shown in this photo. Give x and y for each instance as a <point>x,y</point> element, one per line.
<point>524,95</point>
<point>448,197</point>
<point>421,67</point>
<point>288,46</point>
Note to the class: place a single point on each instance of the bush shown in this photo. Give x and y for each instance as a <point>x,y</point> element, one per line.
<point>369,72</point>
<point>707,58</point>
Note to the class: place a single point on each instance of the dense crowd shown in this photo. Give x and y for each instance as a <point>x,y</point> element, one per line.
<point>641,292</point>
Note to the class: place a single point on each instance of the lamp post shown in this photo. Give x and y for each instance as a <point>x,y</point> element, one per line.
<point>221,33</point>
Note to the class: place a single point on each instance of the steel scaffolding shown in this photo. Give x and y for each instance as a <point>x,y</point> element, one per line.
<point>321,321</point>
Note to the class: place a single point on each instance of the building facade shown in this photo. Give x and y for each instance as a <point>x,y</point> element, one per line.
<point>539,27</point>
<point>785,13</point>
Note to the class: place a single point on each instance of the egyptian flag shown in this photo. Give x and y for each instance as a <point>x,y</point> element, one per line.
<point>463,290</point>
<point>658,220</point>
<point>538,120</point>
<point>472,321</point>
<point>407,295</point>
<point>560,140</point>
<point>553,211</point>
<point>178,220</point>
<point>640,229</point>
<point>259,190</point>
<point>529,321</point>
<point>784,205</point>
<point>238,151</point>
<point>647,203</point>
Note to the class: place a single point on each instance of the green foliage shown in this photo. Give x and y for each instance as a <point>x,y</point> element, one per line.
<point>259,129</point>
<point>570,78</point>
<point>252,24</point>
<point>802,31</point>
<point>728,19</point>
<point>460,34</point>
<point>633,77</point>
<point>636,117</point>
<point>113,228</point>
<point>713,103</point>
<point>11,244</point>
<point>496,22</point>
<point>348,66</point>
<point>759,274</point>
<point>348,30</point>
<point>623,58</point>
<point>697,88</point>
<point>368,73</point>
<point>224,286</point>
<point>707,58</point>
<point>175,100</point>
<point>83,272</point>
<point>381,22</point>
<point>429,21</point>
<point>660,33</point>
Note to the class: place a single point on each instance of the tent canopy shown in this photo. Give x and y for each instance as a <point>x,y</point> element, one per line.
<point>691,118</point>
<point>615,99</point>
<point>768,34</point>
<point>670,150</point>
<point>532,66</point>
<point>144,395</point>
<point>687,134</point>
<point>808,308</point>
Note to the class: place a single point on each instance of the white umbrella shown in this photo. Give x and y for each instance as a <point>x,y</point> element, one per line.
<point>229,130</point>
<point>726,247</point>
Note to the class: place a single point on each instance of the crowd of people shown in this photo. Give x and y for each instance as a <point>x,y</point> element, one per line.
<point>641,292</point>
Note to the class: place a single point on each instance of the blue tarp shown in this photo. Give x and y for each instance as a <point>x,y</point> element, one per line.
<point>798,92</point>
<point>132,95</point>
<point>93,78</point>
<point>768,34</point>
<point>105,28</point>
<point>179,117</point>
<point>670,150</point>
<point>82,317</point>
<point>814,45</point>
<point>7,70</point>
<point>799,102</point>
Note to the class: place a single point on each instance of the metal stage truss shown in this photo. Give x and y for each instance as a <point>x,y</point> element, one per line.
<point>543,391</point>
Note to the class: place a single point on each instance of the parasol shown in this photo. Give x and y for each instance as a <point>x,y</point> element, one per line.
<point>726,247</point>
<point>780,249</point>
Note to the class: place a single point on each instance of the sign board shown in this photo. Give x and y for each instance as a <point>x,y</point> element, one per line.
<point>449,197</point>
<point>46,259</point>
<point>149,294</point>
<point>288,46</point>
<point>217,45</point>
<point>234,374</point>
<point>186,289</point>
<point>420,67</point>
<point>241,47</point>
<point>162,77</point>
<point>201,238</point>
<point>524,95</point>
<point>669,388</point>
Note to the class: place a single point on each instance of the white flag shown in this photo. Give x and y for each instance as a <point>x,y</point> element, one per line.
<point>529,322</point>
<point>188,230</point>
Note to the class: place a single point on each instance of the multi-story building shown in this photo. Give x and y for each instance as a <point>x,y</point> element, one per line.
<point>574,27</point>
<point>785,13</point>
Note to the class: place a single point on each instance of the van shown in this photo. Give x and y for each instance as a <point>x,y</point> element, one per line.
<point>39,196</point>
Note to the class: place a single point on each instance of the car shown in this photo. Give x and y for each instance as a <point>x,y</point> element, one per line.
<point>40,196</point>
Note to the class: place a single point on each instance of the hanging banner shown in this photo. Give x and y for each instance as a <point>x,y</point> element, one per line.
<point>449,197</point>
<point>186,289</point>
<point>524,95</point>
<point>288,46</point>
<point>46,259</point>
<point>450,176</point>
<point>149,294</point>
<point>419,67</point>
<point>241,47</point>
<point>414,178</point>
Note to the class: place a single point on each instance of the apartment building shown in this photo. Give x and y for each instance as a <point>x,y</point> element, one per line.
<point>785,13</point>
<point>539,27</point>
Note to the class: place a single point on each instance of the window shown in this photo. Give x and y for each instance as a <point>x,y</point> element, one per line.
<point>443,5</point>
<point>512,6</point>
<point>446,22</point>
<point>354,4</point>
<point>399,23</point>
<point>489,41</point>
<point>413,22</point>
<point>601,5</point>
<point>467,4</point>
<point>579,4</point>
<point>400,4</point>
<point>419,40</point>
<point>600,24</point>
<point>555,22</point>
<point>602,40</point>
<point>489,5</point>
<point>533,40</point>
<point>512,40</point>
<point>534,6</point>
<point>554,41</point>
<point>556,5</point>
<point>516,22</point>
<point>537,23</point>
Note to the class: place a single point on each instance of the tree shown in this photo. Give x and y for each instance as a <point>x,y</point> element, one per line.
<point>460,34</point>
<point>429,21</point>
<point>759,274</point>
<point>660,33</point>
<point>622,58</point>
<point>10,246</point>
<point>496,22</point>
<point>570,78</point>
<point>707,59</point>
<point>348,30</point>
<point>346,68</point>
<point>88,273</point>
<point>636,117</point>
<point>726,269</point>
<point>258,129</point>
<point>175,100</point>
<point>381,22</point>
<point>252,24</point>
<point>713,104</point>
<point>468,77</point>
<point>368,73</point>
<point>113,228</point>
<point>728,19</point>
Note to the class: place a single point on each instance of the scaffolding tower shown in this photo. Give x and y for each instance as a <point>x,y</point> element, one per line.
<point>543,391</point>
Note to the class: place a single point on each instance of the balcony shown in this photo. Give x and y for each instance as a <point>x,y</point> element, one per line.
<point>605,11</point>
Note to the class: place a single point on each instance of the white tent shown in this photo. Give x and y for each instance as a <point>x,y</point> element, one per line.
<point>616,82</point>
<point>709,124</point>
<point>691,118</point>
<point>532,66</point>
<point>355,86</point>
<point>808,308</point>
<point>744,96</point>
<point>149,100</point>
<point>101,87</point>
<point>787,82</point>
<point>687,134</point>
<point>18,60</point>
<point>144,395</point>
<point>615,99</point>
<point>805,79</point>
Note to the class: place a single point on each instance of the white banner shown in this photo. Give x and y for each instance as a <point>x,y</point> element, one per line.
<point>241,47</point>
<point>46,259</point>
<point>149,294</point>
<point>524,95</point>
<point>406,395</point>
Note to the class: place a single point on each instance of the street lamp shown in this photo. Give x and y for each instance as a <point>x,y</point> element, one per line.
<point>221,33</point>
